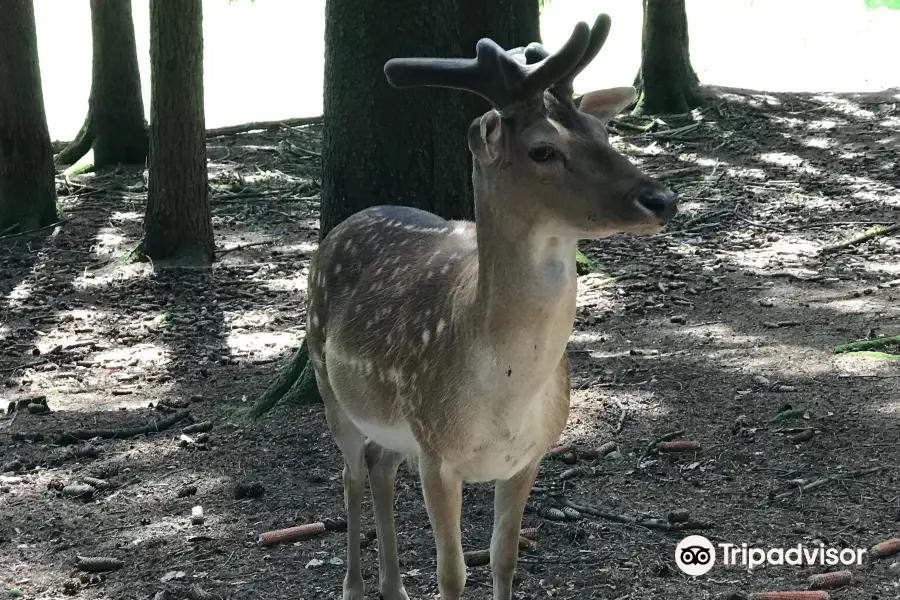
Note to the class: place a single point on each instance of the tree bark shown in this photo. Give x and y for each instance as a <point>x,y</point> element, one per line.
<point>114,127</point>
<point>27,186</point>
<point>177,226</point>
<point>382,145</point>
<point>387,146</point>
<point>666,81</point>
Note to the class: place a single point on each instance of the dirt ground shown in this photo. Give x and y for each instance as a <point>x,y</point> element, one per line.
<point>716,326</point>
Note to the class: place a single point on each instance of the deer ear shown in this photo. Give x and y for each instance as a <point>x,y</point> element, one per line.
<point>491,127</point>
<point>605,104</point>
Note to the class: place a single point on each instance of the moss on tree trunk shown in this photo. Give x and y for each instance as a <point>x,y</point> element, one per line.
<point>177,225</point>
<point>27,186</point>
<point>666,81</point>
<point>114,126</point>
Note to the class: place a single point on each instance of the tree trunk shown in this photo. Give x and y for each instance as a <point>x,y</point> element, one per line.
<point>27,186</point>
<point>388,146</point>
<point>177,226</point>
<point>382,145</point>
<point>115,126</point>
<point>510,23</point>
<point>666,81</point>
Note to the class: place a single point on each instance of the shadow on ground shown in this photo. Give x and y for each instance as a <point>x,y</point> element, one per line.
<point>715,327</point>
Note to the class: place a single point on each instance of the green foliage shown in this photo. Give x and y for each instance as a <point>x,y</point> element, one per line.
<point>888,4</point>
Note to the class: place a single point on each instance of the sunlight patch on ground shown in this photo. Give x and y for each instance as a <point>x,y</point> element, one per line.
<point>144,353</point>
<point>108,240</point>
<point>845,106</point>
<point>821,143</point>
<point>859,306</point>
<point>653,149</point>
<point>824,124</point>
<point>19,295</point>
<point>776,251</point>
<point>888,408</point>
<point>130,215</point>
<point>247,318</point>
<point>586,337</point>
<point>702,161</point>
<point>791,161</point>
<point>720,336</point>
<point>262,344</point>
<point>881,267</point>
<point>287,284</point>
<point>113,274</point>
<point>748,173</point>
<point>589,401</point>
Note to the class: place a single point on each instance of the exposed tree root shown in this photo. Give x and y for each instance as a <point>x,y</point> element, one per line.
<point>295,384</point>
<point>79,435</point>
<point>79,146</point>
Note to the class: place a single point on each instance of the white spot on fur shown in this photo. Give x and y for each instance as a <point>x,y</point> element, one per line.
<point>440,326</point>
<point>337,269</point>
<point>426,335</point>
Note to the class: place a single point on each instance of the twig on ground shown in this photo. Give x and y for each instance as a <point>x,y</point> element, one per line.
<point>239,247</point>
<point>677,173</point>
<point>818,483</point>
<point>871,234</point>
<point>651,447</point>
<point>648,523</point>
<point>30,231</point>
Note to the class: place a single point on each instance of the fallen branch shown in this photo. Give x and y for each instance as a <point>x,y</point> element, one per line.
<point>871,234</point>
<point>30,231</point>
<point>648,523</point>
<point>260,125</point>
<point>80,435</point>
<point>652,446</point>
<point>223,251</point>
<point>677,173</point>
<point>818,483</point>
<point>875,344</point>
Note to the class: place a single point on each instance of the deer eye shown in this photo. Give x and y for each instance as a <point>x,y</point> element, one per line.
<point>541,153</point>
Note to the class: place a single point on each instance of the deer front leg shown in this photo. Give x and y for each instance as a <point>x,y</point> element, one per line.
<point>510,497</point>
<point>442,489</point>
<point>383,464</point>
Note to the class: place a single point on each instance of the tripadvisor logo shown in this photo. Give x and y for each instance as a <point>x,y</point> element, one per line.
<point>695,555</point>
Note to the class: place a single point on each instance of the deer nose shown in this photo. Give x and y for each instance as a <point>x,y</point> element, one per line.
<point>662,203</point>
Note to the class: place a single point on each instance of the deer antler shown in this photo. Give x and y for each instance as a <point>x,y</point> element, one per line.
<point>535,53</point>
<point>504,78</point>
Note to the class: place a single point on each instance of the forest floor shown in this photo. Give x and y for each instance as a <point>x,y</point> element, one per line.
<point>716,326</point>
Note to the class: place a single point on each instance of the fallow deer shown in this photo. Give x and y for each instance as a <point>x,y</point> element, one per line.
<point>446,340</point>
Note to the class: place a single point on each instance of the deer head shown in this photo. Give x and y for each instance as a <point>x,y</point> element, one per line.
<point>542,156</point>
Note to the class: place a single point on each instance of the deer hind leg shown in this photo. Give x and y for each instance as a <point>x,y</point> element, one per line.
<point>510,497</point>
<point>443,499</point>
<point>351,442</point>
<point>383,464</point>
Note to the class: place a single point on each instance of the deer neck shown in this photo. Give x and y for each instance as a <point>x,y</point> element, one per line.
<point>526,286</point>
